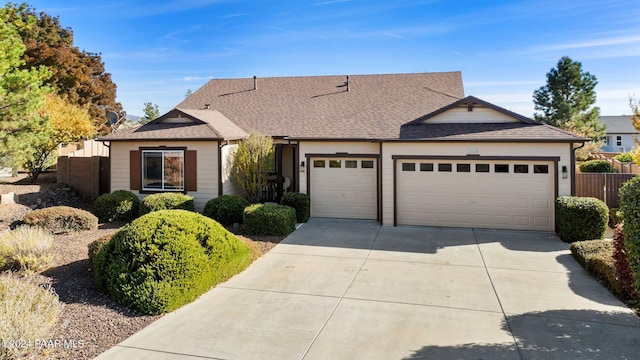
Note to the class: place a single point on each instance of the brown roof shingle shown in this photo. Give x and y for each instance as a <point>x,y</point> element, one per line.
<point>517,132</point>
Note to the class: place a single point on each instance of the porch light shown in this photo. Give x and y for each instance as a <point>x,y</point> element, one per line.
<point>302,166</point>
<point>565,174</point>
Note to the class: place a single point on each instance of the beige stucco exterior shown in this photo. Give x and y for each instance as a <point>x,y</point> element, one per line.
<point>207,160</point>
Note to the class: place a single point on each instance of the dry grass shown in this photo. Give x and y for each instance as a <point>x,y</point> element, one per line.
<point>26,249</point>
<point>28,313</point>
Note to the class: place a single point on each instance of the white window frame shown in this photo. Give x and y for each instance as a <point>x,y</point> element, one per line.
<point>164,187</point>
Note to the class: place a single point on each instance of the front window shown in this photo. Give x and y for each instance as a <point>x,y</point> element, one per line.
<point>163,170</point>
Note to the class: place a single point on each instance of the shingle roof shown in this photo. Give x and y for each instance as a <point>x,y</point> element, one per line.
<point>618,124</point>
<point>519,132</point>
<point>166,131</point>
<point>321,107</point>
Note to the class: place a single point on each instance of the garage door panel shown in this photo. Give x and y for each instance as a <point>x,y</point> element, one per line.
<point>469,199</point>
<point>342,192</point>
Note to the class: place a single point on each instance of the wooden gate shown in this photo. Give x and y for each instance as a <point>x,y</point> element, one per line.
<point>602,186</point>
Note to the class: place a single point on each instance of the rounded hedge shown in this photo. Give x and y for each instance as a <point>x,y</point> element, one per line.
<point>597,166</point>
<point>625,157</point>
<point>62,219</point>
<point>120,205</point>
<point>226,209</point>
<point>166,201</point>
<point>581,218</point>
<point>166,259</point>
<point>300,202</point>
<point>269,219</point>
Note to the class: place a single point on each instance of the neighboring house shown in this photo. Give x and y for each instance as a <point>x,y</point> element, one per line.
<point>400,149</point>
<point>620,133</point>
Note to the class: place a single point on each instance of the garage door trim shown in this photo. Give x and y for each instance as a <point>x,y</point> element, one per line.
<point>309,156</point>
<point>554,159</point>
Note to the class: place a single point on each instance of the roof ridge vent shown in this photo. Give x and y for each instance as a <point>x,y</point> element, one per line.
<point>255,82</point>
<point>348,84</point>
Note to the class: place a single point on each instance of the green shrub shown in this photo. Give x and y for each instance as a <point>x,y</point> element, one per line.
<point>625,157</point>
<point>300,202</point>
<point>581,218</point>
<point>120,205</point>
<point>630,206</point>
<point>166,259</point>
<point>95,246</point>
<point>166,201</point>
<point>28,312</point>
<point>596,256</point>
<point>269,219</point>
<point>26,249</point>
<point>62,219</point>
<point>226,209</point>
<point>615,217</point>
<point>597,166</point>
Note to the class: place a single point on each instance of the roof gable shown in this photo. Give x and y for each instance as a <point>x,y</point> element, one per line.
<point>618,124</point>
<point>472,110</point>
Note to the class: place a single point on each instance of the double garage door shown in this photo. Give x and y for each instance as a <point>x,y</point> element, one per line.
<point>344,188</point>
<point>484,194</point>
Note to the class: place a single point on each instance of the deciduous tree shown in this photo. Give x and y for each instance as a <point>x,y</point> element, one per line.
<point>252,162</point>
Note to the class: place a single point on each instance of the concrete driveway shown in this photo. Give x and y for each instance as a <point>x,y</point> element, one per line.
<point>340,289</point>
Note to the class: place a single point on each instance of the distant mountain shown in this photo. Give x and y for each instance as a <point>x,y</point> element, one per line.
<point>134,118</point>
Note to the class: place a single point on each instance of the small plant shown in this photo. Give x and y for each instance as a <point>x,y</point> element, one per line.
<point>166,259</point>
<point>300,202</point>
<point>625,157</point>
<point>615,217</point>
<point>597,166</point>
<point>166,201</point>
<point>269,219</point>
<point>120,205</point>
<point>26,249</point>
<point>62,219</point>
<point>226,209</point>
<point>27,312</point>
<point>581,218</point>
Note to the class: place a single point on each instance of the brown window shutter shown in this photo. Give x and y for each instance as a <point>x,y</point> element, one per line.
<point>191,170</point>
<point>135,170</point>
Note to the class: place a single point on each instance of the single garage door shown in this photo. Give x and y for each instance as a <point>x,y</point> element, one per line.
<point>344,188</point>
<point>483,194</point>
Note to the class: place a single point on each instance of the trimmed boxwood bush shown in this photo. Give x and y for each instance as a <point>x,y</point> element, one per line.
<point>166,201</point>
<point>596,256</point>
<point>166,259</point>
<point>300,202</point>
<point>269,219</point>
<point>581,218</point>
<point>226,209</point>
<point>630,206</point>
<point>120,205</point>
<point>62,219</point>
<point>615,217</point>
<point>597,166</point>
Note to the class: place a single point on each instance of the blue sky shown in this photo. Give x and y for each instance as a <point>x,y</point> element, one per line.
<point>157,50</point>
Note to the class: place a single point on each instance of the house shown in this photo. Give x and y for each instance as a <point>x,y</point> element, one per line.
<point>620,133</point>
<point>400,149</point>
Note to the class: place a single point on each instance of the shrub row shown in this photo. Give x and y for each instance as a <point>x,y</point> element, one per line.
<point>166,259</point>
<point>630,207</point>
<point>580,218</point>
<point>226,209</point>
<point>596,256</point>
<point>120,205</point>
<point>300,202</point>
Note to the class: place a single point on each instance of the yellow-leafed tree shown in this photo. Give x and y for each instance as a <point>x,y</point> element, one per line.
<point>64,123</point>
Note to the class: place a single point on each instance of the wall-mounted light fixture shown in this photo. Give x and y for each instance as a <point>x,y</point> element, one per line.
<point>565,174</point>
<point>302,166</point>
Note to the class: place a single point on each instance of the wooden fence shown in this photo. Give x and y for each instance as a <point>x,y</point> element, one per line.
<point>90,176</point>
<point>602,186</point>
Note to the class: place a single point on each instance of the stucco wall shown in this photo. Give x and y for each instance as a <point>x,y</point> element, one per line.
<point>478,115</point>
<point>207,159</point>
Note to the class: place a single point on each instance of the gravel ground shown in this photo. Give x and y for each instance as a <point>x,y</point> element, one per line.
<point>90,322</point>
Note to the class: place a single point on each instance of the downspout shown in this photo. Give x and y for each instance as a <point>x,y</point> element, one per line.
<point>573,167</point>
